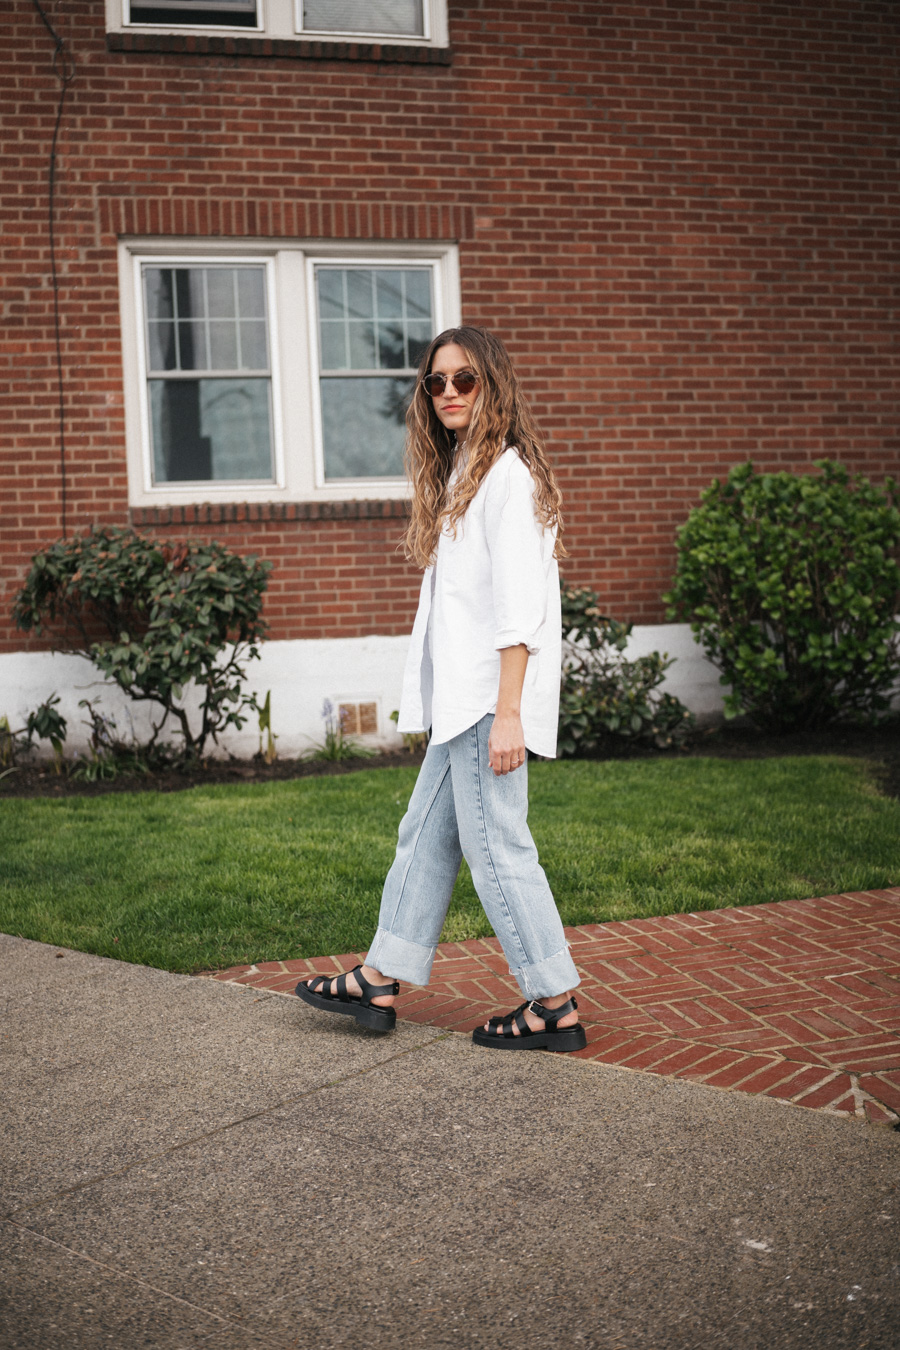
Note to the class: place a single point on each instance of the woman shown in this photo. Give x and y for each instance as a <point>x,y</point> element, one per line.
<point>483,673</point>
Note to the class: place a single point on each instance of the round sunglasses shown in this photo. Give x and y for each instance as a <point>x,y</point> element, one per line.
<point>464,381</point>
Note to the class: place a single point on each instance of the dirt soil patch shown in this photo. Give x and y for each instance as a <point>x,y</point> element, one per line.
<point>879,744</point>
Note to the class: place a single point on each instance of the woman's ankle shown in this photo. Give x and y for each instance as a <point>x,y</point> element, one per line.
<point>553,1001</point>
<point>375,976</point>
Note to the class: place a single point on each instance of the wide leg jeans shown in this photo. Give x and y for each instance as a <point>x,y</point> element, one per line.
<point>461,809</point>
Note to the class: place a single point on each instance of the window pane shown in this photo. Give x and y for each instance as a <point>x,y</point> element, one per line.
<point>334,345</point>
<point>211,430</point>
<point>161,353</point>
<point>331,292</point>
<point>231,13</point>
<point>251,288</point>
<point>419,335</point>
<point>158,289</point>
<point>363,426</point>
<point>360,300</point>
<point>418,293</point>
<point>362,346</point>
<point>399,300</point>
<point>192,346</point>
<point>363,16</point>
<point>220,289</point>
<point>220,315</point>
<point>254,346</point>
<point>389,294</point>
<point>190,291</point>
<point>223,350</point>
<point>391,347</point>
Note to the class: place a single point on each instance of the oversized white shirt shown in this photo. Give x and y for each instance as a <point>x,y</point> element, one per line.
<point>495,585</point>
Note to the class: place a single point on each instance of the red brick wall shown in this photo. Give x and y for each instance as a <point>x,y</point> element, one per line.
<point>682,215</point>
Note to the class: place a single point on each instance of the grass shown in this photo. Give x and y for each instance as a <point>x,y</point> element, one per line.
<point>218,876</point>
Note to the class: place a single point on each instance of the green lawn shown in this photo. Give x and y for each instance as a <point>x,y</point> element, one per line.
<point>217,876</point>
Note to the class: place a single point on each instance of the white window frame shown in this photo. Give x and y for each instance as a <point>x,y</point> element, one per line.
<point>283,19</point>
<point>293,343</point>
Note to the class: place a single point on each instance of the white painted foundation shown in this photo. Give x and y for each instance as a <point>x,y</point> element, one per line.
<point>301,675</point>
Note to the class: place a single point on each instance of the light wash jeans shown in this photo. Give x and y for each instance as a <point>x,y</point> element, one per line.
<point>461,808</point>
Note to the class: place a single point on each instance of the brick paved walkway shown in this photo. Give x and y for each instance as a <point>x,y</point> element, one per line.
<point>798,1000</point>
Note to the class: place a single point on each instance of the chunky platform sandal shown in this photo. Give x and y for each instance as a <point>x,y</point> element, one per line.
<point>501,1033</point>
<point>359,1006</point>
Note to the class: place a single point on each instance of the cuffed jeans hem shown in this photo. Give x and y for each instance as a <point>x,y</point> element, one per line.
<point>544,979</point>
<point>400,959</point>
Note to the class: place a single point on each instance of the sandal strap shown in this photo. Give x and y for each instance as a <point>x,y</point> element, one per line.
<point>320,984</point>
<point>369,990</point>
<point>550,1016</point>
<point>507,1026</point>
<point>512,1022</point>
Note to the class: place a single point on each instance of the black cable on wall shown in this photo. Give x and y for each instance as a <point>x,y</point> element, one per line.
<point>64,70</point>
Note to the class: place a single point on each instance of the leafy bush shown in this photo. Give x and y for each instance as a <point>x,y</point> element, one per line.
<point>48,724</point>
<point>154,619</point>
<point>603,696</point>
<point>791,584</point>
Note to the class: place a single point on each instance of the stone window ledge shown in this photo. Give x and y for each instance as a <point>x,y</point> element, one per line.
<point>249,513</point>
<point>303,49</point>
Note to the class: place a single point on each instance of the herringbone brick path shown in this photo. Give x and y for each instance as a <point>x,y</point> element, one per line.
<point>798,1000</point>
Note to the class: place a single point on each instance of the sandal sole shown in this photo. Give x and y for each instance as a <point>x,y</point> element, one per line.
<point>559,1042</point>
<point>375,1019</point>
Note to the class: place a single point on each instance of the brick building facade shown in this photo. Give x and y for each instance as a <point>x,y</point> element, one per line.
<point>680,214</point>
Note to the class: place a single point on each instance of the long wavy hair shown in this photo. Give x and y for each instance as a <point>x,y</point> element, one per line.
<point>500,418</point>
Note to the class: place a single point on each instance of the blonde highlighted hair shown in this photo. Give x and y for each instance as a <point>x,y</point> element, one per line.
<point>500,418</point>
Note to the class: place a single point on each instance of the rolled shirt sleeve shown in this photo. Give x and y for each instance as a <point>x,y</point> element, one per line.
<point>518,545</point>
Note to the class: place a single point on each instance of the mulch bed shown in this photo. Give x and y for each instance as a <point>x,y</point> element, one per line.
<point>880,744</point>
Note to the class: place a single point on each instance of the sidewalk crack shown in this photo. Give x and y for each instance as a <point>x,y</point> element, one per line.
<point>121,1274</point>
<point>223,1129</point>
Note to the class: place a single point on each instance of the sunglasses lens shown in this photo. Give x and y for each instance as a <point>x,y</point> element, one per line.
<point>463,382</point>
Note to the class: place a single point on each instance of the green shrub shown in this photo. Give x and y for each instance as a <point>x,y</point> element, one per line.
<point>154,619</point>
<point>791,584</point>
<point>603,696</point>
<point>48,724</point>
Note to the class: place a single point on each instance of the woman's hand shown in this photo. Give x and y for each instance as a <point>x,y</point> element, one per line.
<point>506,743</point>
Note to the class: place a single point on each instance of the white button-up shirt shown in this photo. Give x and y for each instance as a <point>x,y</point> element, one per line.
<point>495,585</point>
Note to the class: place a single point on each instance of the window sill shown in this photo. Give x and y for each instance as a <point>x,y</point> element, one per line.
<point>247,513</point>
<point>292,49</point>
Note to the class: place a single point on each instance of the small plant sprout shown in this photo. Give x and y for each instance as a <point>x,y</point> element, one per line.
<point>270,754</point>
<point>412,740</point>
<point>336,745</point>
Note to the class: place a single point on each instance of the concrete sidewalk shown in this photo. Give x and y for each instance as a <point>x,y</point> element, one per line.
<point>187,1161</point>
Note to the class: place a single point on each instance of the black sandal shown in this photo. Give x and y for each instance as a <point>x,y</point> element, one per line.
<point>502,1036</point>
<point>354,1005</point>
